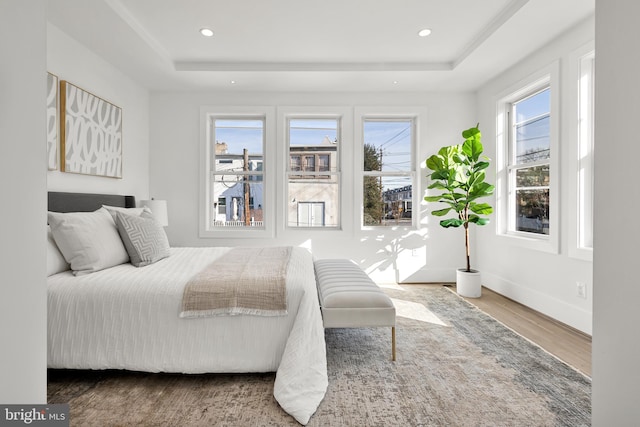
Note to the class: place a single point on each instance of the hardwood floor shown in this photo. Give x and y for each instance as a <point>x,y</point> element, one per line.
<point>564,342</point>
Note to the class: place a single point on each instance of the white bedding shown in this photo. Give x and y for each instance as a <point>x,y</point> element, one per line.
<point>127,318</point>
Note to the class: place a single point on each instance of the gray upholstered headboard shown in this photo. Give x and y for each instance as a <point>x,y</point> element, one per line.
<point>86,202</point>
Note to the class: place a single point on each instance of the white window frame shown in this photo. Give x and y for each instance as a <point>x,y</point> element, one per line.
<point>581,66</point>
<point>207,114</point>
<point>344,116</point>
<point>417,115</point>
<point>547,77</point>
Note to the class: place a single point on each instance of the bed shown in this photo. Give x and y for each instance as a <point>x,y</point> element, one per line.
<point>128,317</point>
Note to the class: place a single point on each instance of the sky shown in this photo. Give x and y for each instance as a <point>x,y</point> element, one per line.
<point>240,134</point>
<point>394,138</point>
<point>533,125</point>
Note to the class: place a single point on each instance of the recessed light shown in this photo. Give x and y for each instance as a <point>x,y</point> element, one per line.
<point>395,82</point>
<point>232,82</point>
<point>424,33</point>
<point>207,32</point>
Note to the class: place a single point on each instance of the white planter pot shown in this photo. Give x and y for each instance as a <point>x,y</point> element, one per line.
<point>468,284</point>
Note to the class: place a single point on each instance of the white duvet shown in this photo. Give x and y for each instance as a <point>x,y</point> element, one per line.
<point>127,318</point>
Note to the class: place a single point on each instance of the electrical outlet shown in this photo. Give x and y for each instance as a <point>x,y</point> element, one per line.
<point>581,289</point>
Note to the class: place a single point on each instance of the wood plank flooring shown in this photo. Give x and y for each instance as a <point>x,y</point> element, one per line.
<point>564,342</point>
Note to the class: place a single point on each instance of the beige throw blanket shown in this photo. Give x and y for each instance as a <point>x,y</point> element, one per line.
<point>242,281</point>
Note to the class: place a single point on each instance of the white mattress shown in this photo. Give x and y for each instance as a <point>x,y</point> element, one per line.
<point>127,318</point>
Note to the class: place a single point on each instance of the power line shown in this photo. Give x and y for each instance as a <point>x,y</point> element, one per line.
<point>388,141</point>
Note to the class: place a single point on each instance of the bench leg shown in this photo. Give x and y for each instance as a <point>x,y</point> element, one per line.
<point>393,343</point>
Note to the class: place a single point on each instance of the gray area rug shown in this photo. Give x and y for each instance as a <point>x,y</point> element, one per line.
<point>456,366</point>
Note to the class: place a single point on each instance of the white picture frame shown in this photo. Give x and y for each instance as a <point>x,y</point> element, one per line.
<point>90,133</point>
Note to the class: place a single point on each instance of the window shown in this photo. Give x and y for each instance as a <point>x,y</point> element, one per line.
<point>580,153</point>
<point>313,180</point>
<point>222,205</point>
<point>234,198</point>
<point>312,191</point>
<point>529,162</point>
<point>527,140</point>
<point>238,146</point>
<point>388,171</point>
<point>310,163</point>
<point>585,151</point>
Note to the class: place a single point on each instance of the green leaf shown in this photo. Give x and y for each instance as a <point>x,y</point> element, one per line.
<point>451,222</point>
<point>482,221</point>
<point>441,212</point>
<point>446,153</point>
<point>460,177</point>
<point>442,174</point>
<point>435,163</point>
<point>476,178</point>
<point>481,208</point>
<point>460,159</point>
<point>438,185</point>
<point>480,166</point>
<point>472,148</point>
<point>475,219</point>
<point>471,132</point>
<point>432,198</point>
<point>459,207</point>
<point>481,189</point>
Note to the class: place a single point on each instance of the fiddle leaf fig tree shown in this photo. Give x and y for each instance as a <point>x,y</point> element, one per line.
<point>459,172</point>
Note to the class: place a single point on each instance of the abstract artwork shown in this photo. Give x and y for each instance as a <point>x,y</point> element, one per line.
<point>52,121</point>
<point>90,133</point>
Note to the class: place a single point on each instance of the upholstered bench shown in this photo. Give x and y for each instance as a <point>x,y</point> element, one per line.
<point>350,299</point>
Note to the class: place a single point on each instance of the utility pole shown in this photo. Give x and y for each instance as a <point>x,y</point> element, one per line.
<point>245,178</point>
<point>381,188</point>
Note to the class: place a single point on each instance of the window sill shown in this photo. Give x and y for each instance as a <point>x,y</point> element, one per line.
<point>235,233</point>
<point>542,243</point>
<point>319,229</point>
<point>393,227</point>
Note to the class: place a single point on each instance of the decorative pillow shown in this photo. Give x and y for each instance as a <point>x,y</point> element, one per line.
<point>89,241</point>
<point>144,238</point>
<point>129,211</point>
<point>55,261</point>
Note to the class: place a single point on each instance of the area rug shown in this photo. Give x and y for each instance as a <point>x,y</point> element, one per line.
<point>456,366</point>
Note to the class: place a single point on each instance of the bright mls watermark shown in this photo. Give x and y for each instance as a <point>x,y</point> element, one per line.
<point>34,415</point>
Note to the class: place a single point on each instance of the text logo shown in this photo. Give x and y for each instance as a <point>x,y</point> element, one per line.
<point>34,415</point>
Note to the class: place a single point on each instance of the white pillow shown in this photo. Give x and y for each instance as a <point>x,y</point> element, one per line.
<point>129,211</point>
<point>143,237</point>
<point>55,261</point>
<point>89,241</point>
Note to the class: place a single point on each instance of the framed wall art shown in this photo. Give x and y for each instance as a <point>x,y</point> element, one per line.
<point>52,121</point>
<point>90,133</point>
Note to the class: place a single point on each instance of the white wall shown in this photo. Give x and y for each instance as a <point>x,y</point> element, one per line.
<point>23,311</point>
<point>22,291</point>
<point>616,347</point>
<point>72,61</point>
<point>541,280</point>
<point>388,255</point>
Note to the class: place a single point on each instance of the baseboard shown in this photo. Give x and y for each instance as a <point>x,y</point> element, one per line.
<point>568,314</point>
